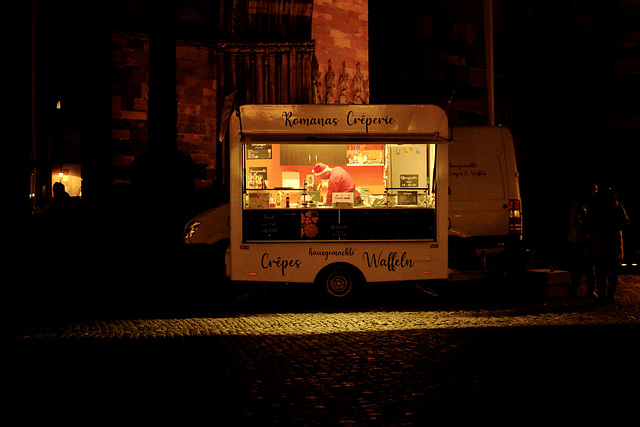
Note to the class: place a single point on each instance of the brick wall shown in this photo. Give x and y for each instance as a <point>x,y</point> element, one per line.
<point>129,101</point>
<point>196,99</point>
<point>196,87</point>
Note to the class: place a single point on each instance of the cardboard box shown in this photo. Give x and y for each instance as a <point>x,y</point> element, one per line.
<point>551,283</point>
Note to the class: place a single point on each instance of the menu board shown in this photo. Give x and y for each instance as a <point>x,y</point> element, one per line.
<point>408,180</point>
<point>259,151</point>
<point>407,198</point>
<point>271,224</point>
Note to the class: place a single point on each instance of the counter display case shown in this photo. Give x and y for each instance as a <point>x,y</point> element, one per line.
<point>301,198</point>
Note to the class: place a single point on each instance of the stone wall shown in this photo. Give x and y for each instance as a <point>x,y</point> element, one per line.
<point>341,31</point>
<point>260,71</point>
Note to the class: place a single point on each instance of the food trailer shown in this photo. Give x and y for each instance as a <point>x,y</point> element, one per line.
<point>392,227</point>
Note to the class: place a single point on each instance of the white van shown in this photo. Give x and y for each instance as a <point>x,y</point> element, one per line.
<point>484,197</point>
<point>210,227</point>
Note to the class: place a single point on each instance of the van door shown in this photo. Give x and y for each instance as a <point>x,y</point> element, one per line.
<point>484,194</point>
<point>477,201</point>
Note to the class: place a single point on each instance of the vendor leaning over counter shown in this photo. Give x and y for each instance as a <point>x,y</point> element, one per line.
<point>339,181</point>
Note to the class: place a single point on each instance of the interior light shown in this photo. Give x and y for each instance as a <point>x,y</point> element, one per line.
<point>61,175</point>
<point>58,105</point>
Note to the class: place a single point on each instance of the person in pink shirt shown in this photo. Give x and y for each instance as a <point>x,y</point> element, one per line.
<point>339,181</point>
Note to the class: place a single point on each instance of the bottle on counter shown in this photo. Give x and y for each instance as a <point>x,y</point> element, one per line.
<point>364,193</point>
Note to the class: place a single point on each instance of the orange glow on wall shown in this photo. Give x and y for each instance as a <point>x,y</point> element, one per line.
<point>70,176</point>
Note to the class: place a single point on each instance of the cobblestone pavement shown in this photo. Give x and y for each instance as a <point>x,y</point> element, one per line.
<point>465,360</point>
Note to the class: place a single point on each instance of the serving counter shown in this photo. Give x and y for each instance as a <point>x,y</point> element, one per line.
<point>332,223</point>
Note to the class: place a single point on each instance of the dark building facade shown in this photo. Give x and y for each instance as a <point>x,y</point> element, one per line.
<point>128,95</point>
<point>567,76</point>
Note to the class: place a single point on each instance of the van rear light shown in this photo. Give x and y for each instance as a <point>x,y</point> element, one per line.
<point>515,217</point>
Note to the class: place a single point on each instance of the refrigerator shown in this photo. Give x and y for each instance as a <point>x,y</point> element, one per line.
<point>410,166</point>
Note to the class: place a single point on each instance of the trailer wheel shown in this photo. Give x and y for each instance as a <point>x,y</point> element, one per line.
<point>339,279</point>
<point>339,283</point>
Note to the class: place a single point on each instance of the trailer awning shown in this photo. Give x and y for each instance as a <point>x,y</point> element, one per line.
<point>343,123</point>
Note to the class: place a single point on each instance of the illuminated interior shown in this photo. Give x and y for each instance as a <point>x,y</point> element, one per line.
<point>394,197</point>
<point>69,174</point>
<point>383,178</point>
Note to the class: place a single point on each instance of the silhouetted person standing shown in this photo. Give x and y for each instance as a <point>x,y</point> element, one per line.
<point>60,212</point>
<point>608,218</point>
<point>580,240</point>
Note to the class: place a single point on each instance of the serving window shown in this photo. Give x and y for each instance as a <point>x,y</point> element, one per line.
<point>394,196</point>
